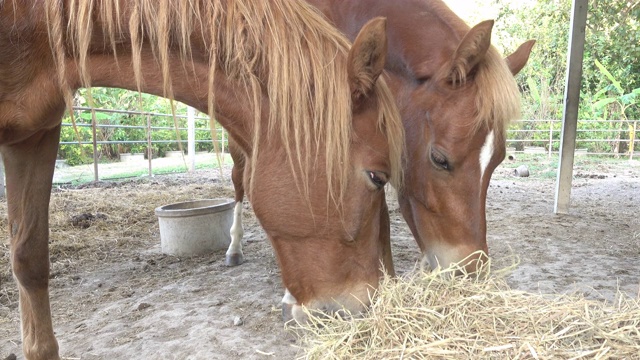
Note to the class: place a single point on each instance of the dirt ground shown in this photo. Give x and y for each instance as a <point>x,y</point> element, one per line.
<point>116,296</point>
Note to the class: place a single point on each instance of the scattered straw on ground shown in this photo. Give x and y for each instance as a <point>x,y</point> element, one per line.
<point>437,316</point>
<point>114,218</point>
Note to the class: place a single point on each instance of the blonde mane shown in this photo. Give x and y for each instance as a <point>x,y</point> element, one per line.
<point>283,48</point>
<point>498,97</point>
<point>497,100</point>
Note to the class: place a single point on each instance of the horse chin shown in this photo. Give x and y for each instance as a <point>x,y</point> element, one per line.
<point>473,263</point>
<point>345,306</point>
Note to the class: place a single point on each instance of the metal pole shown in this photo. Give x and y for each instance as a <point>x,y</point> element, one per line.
<point>222,141</point>
<point>2,194</point>
<point>95,145</point>
<point>633,137</point>
<point>149,150</point>
<point>571,103</point>
<point>550,137</point>
<point>191,137</point>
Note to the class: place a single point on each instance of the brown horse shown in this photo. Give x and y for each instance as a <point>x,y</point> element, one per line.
<point>456,96</point>
<point>318,126</point>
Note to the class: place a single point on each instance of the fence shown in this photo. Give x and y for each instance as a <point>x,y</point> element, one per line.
<point>148,128</point>
<point>608,138</point>
<point>109,136</point>
<point>594,137</point>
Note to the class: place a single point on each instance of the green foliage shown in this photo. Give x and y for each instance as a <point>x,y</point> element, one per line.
<point>131,129</point>
<point>610,87</point>
<point>73,153</point>
<point>611,70</point>
<point>612,98</point>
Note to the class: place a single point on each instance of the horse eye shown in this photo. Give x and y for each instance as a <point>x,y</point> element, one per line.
<point>379,179</point>
<point>439,160</point>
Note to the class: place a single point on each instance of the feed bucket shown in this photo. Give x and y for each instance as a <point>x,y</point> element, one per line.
<point>195,227</point>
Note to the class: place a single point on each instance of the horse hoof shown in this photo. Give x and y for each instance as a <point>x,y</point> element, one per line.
<point>287,312</point>
<point>233,259</point>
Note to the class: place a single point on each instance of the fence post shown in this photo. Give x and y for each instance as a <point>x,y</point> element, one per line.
<point>632,138</point>
<point>550,137</point>
<point>1,178</point>
<point>191,137</point>
<point>222,141</point>
<point>149,150</point>
<point>95,145</point>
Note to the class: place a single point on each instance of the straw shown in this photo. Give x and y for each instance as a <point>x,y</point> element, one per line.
<point>435,315</point>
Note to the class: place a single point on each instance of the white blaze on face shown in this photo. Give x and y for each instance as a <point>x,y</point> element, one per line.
<point>486,153</point>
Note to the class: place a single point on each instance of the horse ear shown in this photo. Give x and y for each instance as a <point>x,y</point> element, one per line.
<point>367,57</point>
<point>471,51</point>
<point>519,58</point>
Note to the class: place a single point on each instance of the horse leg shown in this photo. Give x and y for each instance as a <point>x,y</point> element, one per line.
<point>29,167</point>
<point>234,256</point>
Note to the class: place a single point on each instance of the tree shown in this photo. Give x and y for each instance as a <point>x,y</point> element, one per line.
<point>612,42</point>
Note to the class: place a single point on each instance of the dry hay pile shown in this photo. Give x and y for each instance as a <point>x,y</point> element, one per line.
<point>436,316</point>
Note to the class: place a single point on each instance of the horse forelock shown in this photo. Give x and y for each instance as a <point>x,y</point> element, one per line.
<point>497,98</point>
<point>283,48</point>
<point>497,94</point>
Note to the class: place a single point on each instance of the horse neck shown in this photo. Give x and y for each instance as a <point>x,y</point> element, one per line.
<point>409,22</point>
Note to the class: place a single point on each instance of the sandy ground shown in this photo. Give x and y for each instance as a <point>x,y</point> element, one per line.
<point>116,296</point>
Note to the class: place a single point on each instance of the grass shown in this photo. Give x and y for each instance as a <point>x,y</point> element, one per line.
<point>541,166</point>
<point>81,174</point>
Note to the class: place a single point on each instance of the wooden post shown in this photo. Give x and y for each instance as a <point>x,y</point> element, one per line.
<point>571,104</point>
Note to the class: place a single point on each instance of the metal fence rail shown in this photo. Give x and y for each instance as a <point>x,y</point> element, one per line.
<point>594,137</point>
<point>149,127</point>
<point>219,135</point>
<point>618,136</point>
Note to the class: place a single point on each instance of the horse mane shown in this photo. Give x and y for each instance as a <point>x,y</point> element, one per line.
<point>283,48</point>
<point>498,97</point>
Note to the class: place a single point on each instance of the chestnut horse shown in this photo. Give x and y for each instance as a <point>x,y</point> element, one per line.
<point>456,97</point>
<point>319,127</point>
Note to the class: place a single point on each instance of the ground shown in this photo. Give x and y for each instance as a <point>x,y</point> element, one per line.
<point>115,296</point>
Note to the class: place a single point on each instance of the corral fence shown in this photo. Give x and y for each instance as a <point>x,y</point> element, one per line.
<point>607,138</point>
<point>105,135</point>
<point>108,135</point>
<point>154,135</point>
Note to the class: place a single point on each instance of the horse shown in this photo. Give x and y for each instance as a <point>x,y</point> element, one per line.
<point>456,97</point>
<point>309,111</point>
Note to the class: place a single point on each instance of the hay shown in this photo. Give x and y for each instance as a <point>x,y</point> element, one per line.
<point>119,220</point>
<point>438,316</point>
